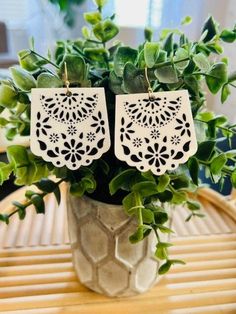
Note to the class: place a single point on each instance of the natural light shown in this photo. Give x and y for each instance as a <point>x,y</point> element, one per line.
<point>135,13</point>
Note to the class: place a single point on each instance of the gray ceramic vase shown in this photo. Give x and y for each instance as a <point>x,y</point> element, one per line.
<point>103,257</point>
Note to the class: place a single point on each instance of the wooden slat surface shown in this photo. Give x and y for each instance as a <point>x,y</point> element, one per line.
<point>42,280</point>
<point>51,228</point>
<point>37,275</point>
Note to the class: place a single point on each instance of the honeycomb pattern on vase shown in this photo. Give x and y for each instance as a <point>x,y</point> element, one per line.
<point>99,235</point>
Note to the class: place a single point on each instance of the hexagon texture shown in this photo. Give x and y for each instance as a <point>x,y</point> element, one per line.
<point>103,257</point>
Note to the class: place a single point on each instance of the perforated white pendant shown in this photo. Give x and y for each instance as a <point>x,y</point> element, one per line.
<point>155,133</point>
<point>69,130</point>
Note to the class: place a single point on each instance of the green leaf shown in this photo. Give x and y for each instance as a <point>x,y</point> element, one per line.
<point>17,156</point>
<point>168,44</point>
<point>29,194</point>
<point>180,54</point>
<point>205,150</point>
<point>38,202</point>
<point>4,218</point>
<point>5,172</point>
<point>201,62</point>
<point>115,83</point>
<point>8,96</point>
<point>28,60</point>
<point>186,20</point>
<point>92,17</point>
<point>77,189</point>
<point>166,74</point>
<point>122,56</point>
<point>231,153</point>
<point>137,235</point>
<point>100,3</point>
<point>164,268</point>
<point>23,79</point>
<point>206,116</point>
<point>46,185</point>
<point>210,27</point>
<point>105,30</point>
<point>181,181</point>
<point>24,168</point>
<point>193,205</point>
<point>179,197</point>
<point>146,188</point>
<point>21,209</point>
<point>161,250</point>
<point>134,79</point>
<point>217,77</point>
<point>163,182</point>
<point>165,196</point>
<point>225,92</point>
<point>85,32</point>
<point>86,184</point>
<point>193,167</point>
<point>228,35</point>
<point>218,163</point>
<point>129,201</point>
<point>96,54</point>
<point>233,178</point>
<point>151,53</point>
<point>3,122</point>
<point>11,133</point>
<point>76,68</point>
<point>148,215</point>
<point>120,181</point>
<point>161,217</point>
<point>161,253</point>
<point>192,84</point>
<point>148,33</point>
<point>89,183</point>
<point>48,80</point>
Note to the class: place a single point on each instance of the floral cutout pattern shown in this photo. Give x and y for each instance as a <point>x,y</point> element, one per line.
<point>154,112</point>
<point>69,109</point>
<point>69,130</point>
<point>154,134</point>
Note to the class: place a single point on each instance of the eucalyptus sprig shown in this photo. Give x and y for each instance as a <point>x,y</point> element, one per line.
<point>174,62</point>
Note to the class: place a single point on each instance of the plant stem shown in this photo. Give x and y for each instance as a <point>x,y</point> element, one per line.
<point>95,41</point>
<point>139,205</point>
<point>48,61</point>
<point>27,204</point>
<point>105,58</point>
<point>166,63</point>
<point>218,126</point>
<point>157,235</point>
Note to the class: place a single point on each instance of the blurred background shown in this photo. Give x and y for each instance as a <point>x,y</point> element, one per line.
<point>51,20</point>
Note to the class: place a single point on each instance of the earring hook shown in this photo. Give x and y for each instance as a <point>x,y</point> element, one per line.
<point>67,82</point>
<point>150,90</point>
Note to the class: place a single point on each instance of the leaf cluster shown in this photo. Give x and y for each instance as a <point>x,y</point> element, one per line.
<point>174,62</point>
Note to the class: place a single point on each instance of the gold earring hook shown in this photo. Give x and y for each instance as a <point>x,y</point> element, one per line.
<point>67,82</point>
<point>150,90</point>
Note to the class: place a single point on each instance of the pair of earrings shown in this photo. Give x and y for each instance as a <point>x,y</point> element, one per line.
<point>153,131</point>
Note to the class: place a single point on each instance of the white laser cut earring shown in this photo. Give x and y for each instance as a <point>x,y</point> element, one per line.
<point>69,126</point>
<point>154,130</point>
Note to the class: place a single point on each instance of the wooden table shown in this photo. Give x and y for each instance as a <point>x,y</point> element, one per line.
<point>37,275</point>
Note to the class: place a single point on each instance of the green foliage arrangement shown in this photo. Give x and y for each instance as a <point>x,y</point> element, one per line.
<point>174,62</point>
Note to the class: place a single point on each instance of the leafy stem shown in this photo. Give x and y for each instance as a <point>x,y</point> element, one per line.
<point>139,206</point>
<point>42,57</point>
<point>23,206</point>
